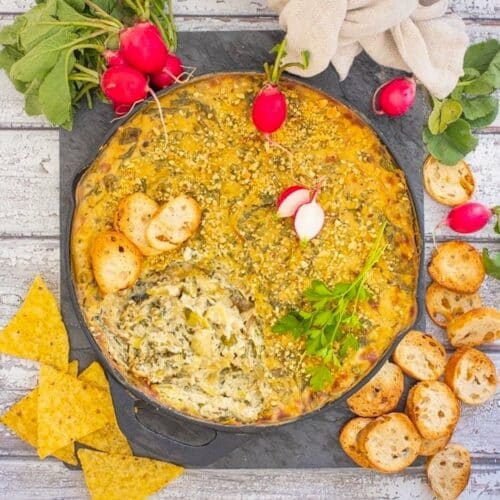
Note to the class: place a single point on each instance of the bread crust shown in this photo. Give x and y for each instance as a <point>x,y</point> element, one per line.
<point>448,471</point>
<point>458,266</point>
<point>471,375</point>
<point>116,261</point>
<point>348,440</point>
<point>449,185</point>
<point>390,442</point>
<point>420,356</point>
<point>381,394</point>
<point>475,327</point>
<point>433,408</point>
<point>443,305</point>
<point>132,216</point>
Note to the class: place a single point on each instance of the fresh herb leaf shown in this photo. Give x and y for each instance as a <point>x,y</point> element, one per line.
<point>329,327</point>
<point>320,376</point>
<point>496,212</point>
<point>453,144</point>
<point>480,55</point>
<point>485,120</point>
<point>491,263</point>
<point>444,113</point>
<point>478,107</point>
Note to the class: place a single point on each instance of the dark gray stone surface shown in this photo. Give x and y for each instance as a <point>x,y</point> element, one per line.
<point>308,443</point>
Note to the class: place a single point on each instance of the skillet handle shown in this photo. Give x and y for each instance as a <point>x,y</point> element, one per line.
<point>160,446</point>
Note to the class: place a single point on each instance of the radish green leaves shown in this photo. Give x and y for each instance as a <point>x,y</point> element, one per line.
<point>448,135</point>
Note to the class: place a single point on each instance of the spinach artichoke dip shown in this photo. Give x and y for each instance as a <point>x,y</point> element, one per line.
<point>193,325</point>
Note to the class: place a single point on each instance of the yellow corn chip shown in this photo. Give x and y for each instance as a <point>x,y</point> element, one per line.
<point>110,477</point>
<point>37,331</point>
<point>109,438</point>
<point>22,419</point>
<point>68,409</point>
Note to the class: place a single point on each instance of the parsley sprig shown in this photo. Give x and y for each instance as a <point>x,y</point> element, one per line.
<point>330,324</point>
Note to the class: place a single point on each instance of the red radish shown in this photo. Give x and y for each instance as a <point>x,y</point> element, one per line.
<point>468,218</point>
<point>114,58</point>
<point>143,47</point>
<point>124,85</point>
<point>121,109</point>
<point>269,109</point>
<point>395,97</point>
<point>309,220</point>
<point>169,73</point>
<point>291,199</point>
<point>269,106</point>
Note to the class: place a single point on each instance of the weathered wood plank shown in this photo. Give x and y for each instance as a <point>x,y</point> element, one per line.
<point>477,428</point>
<point>29,182</point>
<point>11,102</point>
<point>27,478</point>
<point>483,163</point>
<point>473,9</point>
<point>21,259</point>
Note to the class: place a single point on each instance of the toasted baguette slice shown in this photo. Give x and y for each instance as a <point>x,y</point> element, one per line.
<point>450,185</point>
<point>390,442</point>
<point>448,471</point>
<point>430,447</point>
<point>132,217</point>
<point>471,375</point>
<point>458,266</point>
<point>348,440</point>
<point>116,261</point>
<point>475,327</point>
<point>174,223</point>
<point>443,305</point>
<point>381,394</point>
<point>433,408</point>
<point>420,356</point>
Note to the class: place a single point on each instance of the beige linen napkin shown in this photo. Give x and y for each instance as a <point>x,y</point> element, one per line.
<point>410,35</point>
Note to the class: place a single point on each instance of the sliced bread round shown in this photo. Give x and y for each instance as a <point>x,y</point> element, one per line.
<point>475,327</point>
<point>390,442</point>
<point>448,471</point>
<point>348,440</point>
<point>457,265</point>
<point>471,375</point>
<point>116,261</point>
<point>430,447</point>
<point>450,185</point>
<point>381,394</point>
<point>433,408</point>
<point>443,305</point>
<point>420,356</point>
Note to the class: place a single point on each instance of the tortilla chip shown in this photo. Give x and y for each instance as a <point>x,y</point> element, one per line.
<point>22,419</point>
<point>37,331</point>
<point>110,477</point>
<point>109,438</point>
<point>68,409</point>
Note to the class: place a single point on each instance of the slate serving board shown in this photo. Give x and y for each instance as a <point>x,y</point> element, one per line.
<point>311,443</point>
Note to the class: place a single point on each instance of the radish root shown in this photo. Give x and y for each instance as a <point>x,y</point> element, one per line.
<point>160,111</point>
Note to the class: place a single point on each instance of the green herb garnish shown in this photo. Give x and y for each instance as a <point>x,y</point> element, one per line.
<point>330,324</point>
<point>491,263</point>
<point>471,106</point>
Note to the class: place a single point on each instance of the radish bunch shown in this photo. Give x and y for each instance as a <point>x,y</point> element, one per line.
<point>143,58</point>
<point>301,203</point>
<point>269,107</point>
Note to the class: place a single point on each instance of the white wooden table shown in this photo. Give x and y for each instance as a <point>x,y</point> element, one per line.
<point>29,244</point>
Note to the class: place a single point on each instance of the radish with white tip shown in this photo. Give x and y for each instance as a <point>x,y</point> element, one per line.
<point>309,220</point>
<point>291,199</point>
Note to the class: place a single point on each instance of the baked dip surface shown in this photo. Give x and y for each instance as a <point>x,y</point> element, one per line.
<point>195,329</point>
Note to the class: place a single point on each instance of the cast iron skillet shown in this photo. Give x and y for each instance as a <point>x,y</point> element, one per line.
<point>127,398</point>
